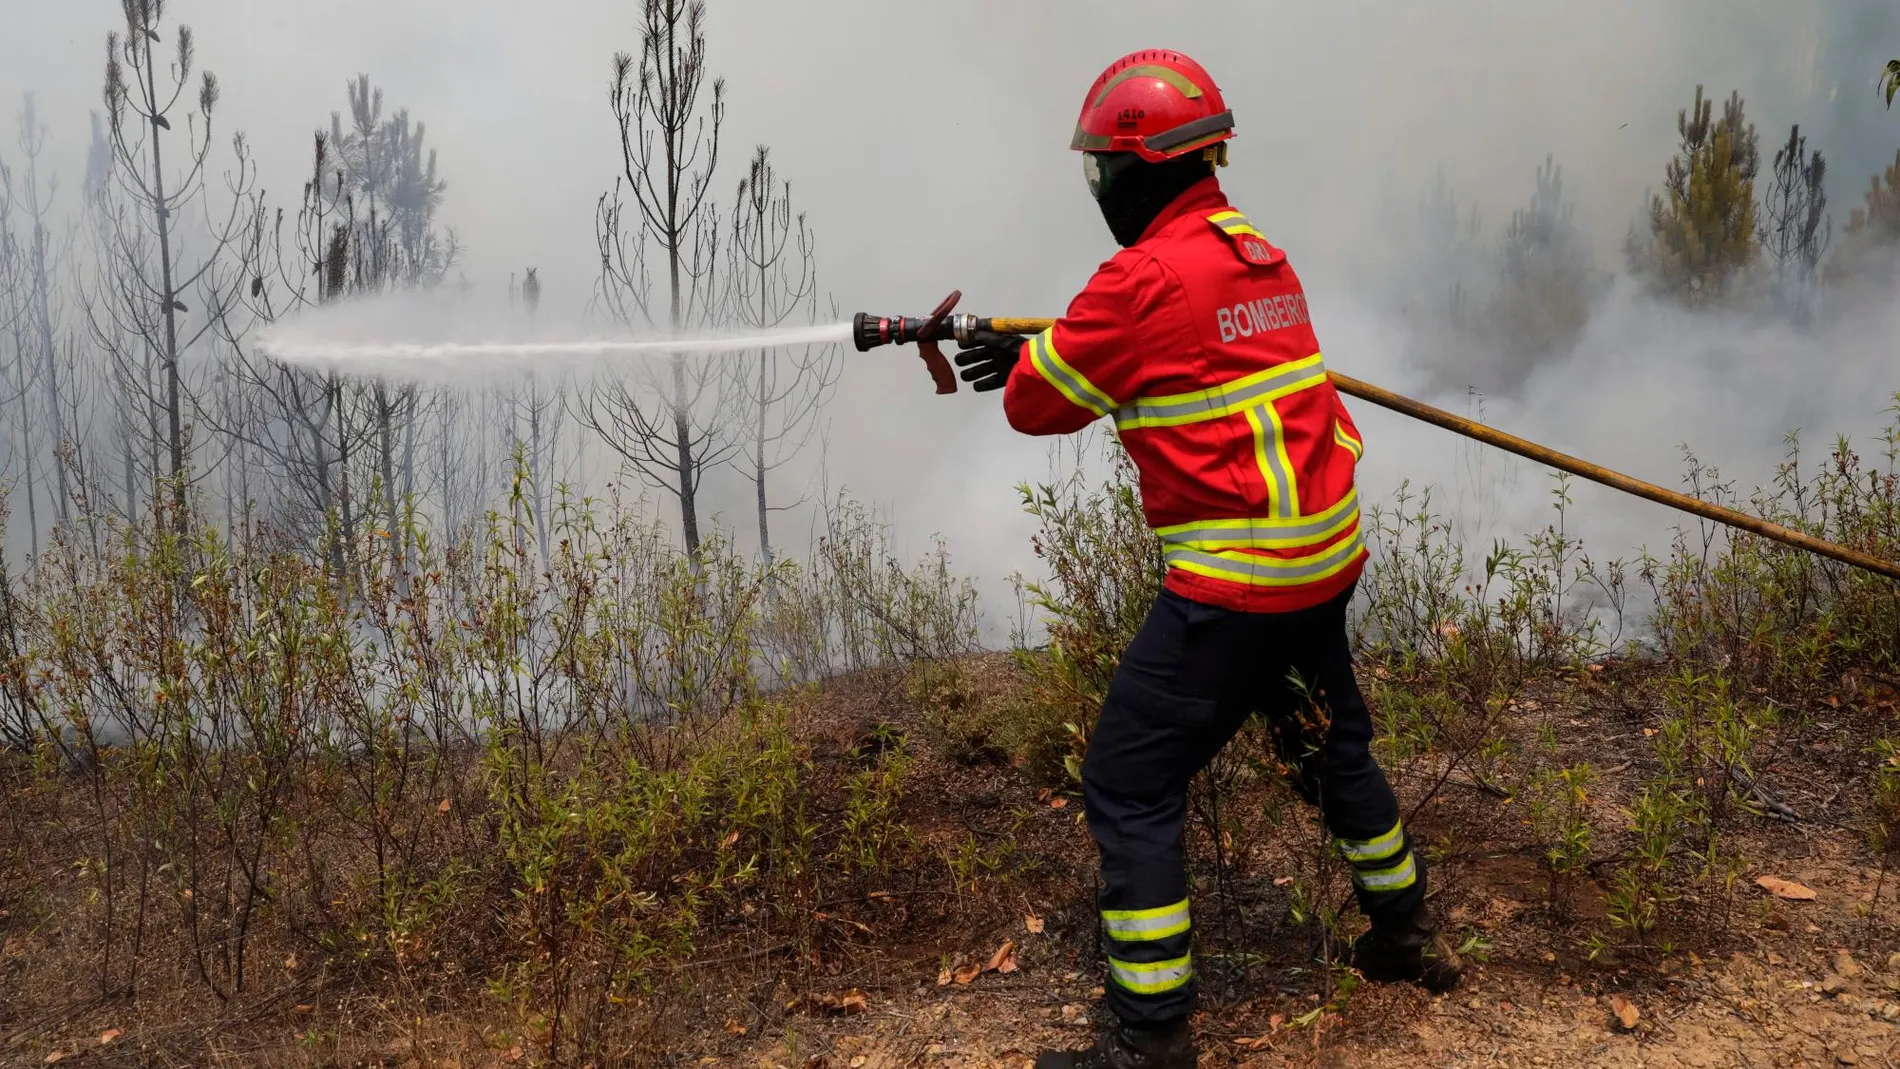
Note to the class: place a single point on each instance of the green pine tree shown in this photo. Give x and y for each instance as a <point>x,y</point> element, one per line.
<point>1871,248</point>
<point>1546,284</point>
<point>1890,81</point>
<point>1702,227</point>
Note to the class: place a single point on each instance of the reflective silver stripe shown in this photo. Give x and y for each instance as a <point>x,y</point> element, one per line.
<point>1154,978</point>
<point>1224,400</point>
<point>1079,390</point>
<point>1353,445</point>
<point>1396,878</point>
<point>1268,571</point>
<point>1139,925</point>
<point>1377,849</point>
<point>1269,443</point>
<point>1235,223</point>
<point>1262,533</point>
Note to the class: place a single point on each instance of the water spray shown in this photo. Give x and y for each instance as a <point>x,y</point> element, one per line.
<point>869,332</point>
<point>295,346</point>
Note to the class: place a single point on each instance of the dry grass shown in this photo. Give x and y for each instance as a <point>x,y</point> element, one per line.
<point>635,809</point>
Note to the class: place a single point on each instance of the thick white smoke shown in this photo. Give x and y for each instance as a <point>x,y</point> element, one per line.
<point>927,145</point>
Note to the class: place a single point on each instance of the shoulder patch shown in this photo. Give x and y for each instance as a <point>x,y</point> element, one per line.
<point>1249,244</point>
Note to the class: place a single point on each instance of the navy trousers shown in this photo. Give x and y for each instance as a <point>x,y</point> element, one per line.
<point>1193,676</point>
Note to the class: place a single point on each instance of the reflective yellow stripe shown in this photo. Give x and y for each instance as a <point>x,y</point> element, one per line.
<point>1353,445</point>
<point>1175,78</point>
<point>1276,533</point>
<point>1256,536</point>
<point>1287,506</point>
<point>1152,978</point>
<point>1141,925</point>
<point>1253,569</point>
<point>1219,402</point>
<point>1071,383</point>
<point>1235,223</point>
<point>1267,456</point>
<point>1397,878</point>
<point>1385,846</point>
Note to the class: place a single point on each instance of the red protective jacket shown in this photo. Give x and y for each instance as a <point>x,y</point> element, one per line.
<point>1197,340</point>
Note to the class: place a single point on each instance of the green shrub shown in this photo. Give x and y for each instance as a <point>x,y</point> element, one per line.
<point>1105,569</point>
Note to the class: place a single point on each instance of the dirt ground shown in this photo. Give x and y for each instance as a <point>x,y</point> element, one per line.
<point>1798,1000</point>
<point>1758,981</point>
<point>1753,980</point>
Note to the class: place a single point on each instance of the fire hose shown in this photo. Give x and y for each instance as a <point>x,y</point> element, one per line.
<point>869,332</point>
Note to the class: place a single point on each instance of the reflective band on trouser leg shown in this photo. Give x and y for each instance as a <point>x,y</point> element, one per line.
<point>1146,925</point>
<point>1385,846</point>
<point>1152,978</point>
<point>1383,863</point>
<point>1149,955</point>
<point>1397,878</point>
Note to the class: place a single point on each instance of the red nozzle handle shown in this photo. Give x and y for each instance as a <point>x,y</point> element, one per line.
<point>940,370</point>
<point>869,331</point>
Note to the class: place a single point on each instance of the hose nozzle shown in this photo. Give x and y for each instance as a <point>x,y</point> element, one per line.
<point>869,331</point>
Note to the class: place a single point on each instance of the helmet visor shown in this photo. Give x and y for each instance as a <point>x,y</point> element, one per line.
<point>1102,168</point>
<point>1092,171</point>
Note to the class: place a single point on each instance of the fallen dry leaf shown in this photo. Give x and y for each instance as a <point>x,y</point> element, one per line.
<point>303,1007</point>
<point>444,807</point>
<point>1005,955</point>
<point>943,978</point>
<point>514,1054</point>
<point>109,1035</point>
<point>734,1028</point>
<point>726,843</point>
<point>852,1001</point>
<point>1262,1042</point>
<point>1058,803</point>
<point>858,1062</point>
<point>1283,881</point>
<point>291,962</point>
<point>1033,923</point>
<point>1626,1012</point>
<point>55,1056</point>
<point>1787,889</point>
<point>967,973</point>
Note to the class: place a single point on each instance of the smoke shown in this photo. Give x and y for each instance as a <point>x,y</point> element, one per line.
<point>927,145</point>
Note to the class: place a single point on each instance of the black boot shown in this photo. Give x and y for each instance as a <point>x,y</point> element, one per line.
<point>1130,1046</point>
<point>1411,951</point>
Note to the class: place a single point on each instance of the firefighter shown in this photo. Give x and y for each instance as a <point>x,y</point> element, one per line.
<point>1196,340</point>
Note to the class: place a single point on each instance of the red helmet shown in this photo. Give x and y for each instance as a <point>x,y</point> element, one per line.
<point>1156,104</point>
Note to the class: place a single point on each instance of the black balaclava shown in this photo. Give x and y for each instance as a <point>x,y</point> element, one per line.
<point>1135,191</point>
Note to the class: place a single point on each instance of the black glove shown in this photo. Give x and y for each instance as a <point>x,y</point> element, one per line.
<point>987,359</point>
